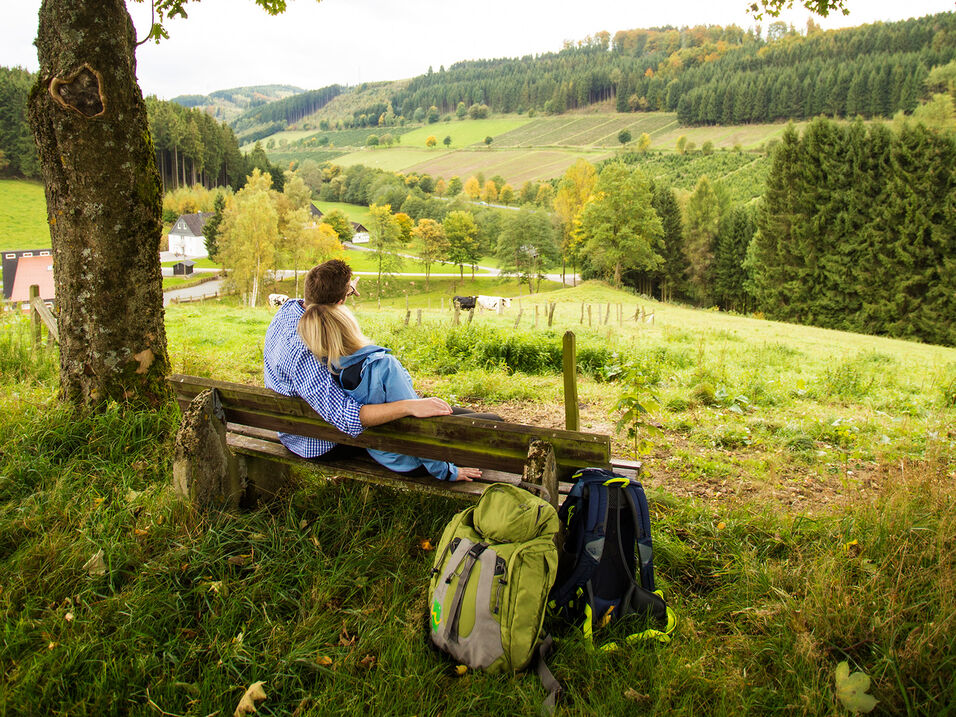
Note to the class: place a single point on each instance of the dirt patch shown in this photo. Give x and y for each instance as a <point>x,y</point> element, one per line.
<point>797,489</point>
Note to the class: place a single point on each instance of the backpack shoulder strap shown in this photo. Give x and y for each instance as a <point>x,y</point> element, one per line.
<point>590,544</point>
<point>642,522</point>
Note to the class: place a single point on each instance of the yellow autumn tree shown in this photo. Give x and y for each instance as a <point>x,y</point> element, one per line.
<point>250,234</point>
<point>472,188</point>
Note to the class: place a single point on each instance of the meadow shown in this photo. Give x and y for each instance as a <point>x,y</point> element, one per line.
<point>802,490</point>
<point>23,215</point>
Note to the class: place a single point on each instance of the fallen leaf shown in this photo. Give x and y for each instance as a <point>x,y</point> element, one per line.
<point>368,662</point>
<point>303,524</point>
<point>721,525</point>
<point>140,531</point>
<point>97,502</point>
<point>346,640</point>
<point>427,545</point>
<point>851,689</point>
<point>132,495</point>
<point>216,587</point>
<point>461,670</point>
<point>68,617</point>
<point>324,660</point>
<point>52,645</point>
<point>95,565</point>
<point>239,560</point>
<point>635,696</point>
<point>247,705</point>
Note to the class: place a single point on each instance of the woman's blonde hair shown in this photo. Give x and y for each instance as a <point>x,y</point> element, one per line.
<point>331,332</point>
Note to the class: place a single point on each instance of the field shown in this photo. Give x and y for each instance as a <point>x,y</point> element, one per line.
<point>539,148</point>
<point>23,216</point>
<point>803,502</point>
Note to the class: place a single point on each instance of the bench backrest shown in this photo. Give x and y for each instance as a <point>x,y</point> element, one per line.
<point>459,439</point>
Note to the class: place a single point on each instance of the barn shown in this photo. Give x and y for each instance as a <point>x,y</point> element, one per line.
<point>183,268</point>
<point>36,268</point>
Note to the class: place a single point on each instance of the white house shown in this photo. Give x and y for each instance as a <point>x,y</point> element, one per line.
<point>186,237</point>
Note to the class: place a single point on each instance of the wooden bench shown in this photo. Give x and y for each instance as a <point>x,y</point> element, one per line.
<point>228,452</point>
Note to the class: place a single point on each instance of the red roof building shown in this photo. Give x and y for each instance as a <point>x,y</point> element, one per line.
<point>33,270</point>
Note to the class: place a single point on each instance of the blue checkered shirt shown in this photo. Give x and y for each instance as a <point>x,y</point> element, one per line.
<point>292,370</point>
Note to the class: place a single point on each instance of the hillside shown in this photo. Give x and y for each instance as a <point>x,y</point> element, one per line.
<point>228,105</point>
<point>541,148</point>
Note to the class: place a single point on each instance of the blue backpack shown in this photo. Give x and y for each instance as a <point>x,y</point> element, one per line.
<point>606,567</point>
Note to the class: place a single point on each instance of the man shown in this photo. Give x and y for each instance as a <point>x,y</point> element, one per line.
<point>292,370</point>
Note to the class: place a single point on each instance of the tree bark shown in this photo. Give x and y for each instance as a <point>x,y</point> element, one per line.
<point>104,204</point>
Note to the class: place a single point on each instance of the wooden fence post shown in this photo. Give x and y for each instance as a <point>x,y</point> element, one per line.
<point>35,315</point>
<point>518,317</point>
<point>455,320</point>
<point>607,313</point>
<point>572,417</point>
<point>535,316</point>
<point>589,314</point>
<point>551,313</point>
<point>419,317</point>
<point>471,314</point>
<point>582,312</point>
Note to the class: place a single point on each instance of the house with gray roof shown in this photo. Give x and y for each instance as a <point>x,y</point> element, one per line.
<point>186,237</point>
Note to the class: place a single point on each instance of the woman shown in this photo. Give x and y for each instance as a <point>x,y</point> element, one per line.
<point>370,374</point>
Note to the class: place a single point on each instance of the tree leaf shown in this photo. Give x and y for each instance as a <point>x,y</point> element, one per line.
<point>851,689</point>
<point>96,565</point>
<point>247,705</point>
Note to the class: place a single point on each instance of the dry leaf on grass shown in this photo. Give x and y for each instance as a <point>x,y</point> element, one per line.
<point>96,565</point>
<point>324,660</point>
<point>346,640</point>
<point>635,696</point>
<point>368,662</point>
<point>247,705</point>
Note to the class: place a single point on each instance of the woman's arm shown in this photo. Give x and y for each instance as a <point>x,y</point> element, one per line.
<point>375,414</point>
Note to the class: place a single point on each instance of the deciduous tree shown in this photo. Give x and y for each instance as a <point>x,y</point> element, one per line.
<point>462,234</point>
<point>250,235</point>
<point>618,226</point>
<point>434,244</point>
<point>385,238</point>
<point>104,196</point>
<point>574,190</point>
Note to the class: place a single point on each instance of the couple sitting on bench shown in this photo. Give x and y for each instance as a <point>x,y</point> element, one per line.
<point>315,349</point>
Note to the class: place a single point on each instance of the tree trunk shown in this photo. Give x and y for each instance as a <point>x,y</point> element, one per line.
<point>104,204</point>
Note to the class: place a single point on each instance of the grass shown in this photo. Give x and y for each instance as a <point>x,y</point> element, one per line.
<point>789,535</point>
<point>463,132</point>
<point>23,215</point>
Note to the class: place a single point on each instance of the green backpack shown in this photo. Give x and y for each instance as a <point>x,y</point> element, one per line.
<point>494,566</point>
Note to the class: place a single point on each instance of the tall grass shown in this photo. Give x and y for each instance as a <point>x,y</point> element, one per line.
<point>322,595</point>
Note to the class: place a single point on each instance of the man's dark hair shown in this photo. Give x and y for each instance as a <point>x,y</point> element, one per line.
<point>327,283</point>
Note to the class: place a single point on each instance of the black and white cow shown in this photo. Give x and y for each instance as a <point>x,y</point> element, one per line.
<point>465,303</point>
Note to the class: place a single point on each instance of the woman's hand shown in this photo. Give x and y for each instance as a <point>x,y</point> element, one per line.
<point>468,473</point>
<point>426,407</point>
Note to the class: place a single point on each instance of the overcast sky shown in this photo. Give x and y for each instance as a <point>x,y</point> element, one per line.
<point>234,43</point>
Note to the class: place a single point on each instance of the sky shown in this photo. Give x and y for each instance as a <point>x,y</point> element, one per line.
<point>234,43</point>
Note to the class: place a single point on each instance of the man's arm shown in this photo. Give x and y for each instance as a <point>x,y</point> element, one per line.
<point>375,414</point>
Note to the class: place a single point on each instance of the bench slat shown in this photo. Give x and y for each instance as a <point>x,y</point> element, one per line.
<point>370,471</point>
<point>459,439</point>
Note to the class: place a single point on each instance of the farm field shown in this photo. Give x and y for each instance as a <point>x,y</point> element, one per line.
<point>801,486</point>
<point>516,166</point>
<point>464,132</point>
<point>396,159</point>
<point>23,215</point>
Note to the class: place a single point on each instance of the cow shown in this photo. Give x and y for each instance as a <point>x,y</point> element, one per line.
<point>277,300</point>
<point>465,303</point>
<point>492,303</point>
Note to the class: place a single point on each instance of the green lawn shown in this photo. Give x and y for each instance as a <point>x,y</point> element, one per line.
<point>801,486</point>
<point>23,215</point>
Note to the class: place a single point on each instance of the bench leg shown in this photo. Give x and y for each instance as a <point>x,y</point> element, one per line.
<point>542,470</point>
<point>264,479</point>
<point>204,469</point>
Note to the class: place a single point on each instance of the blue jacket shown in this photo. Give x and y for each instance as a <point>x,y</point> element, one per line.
<point>384,379</point>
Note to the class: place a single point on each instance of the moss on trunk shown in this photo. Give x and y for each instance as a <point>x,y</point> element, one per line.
<point>104,201</point>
